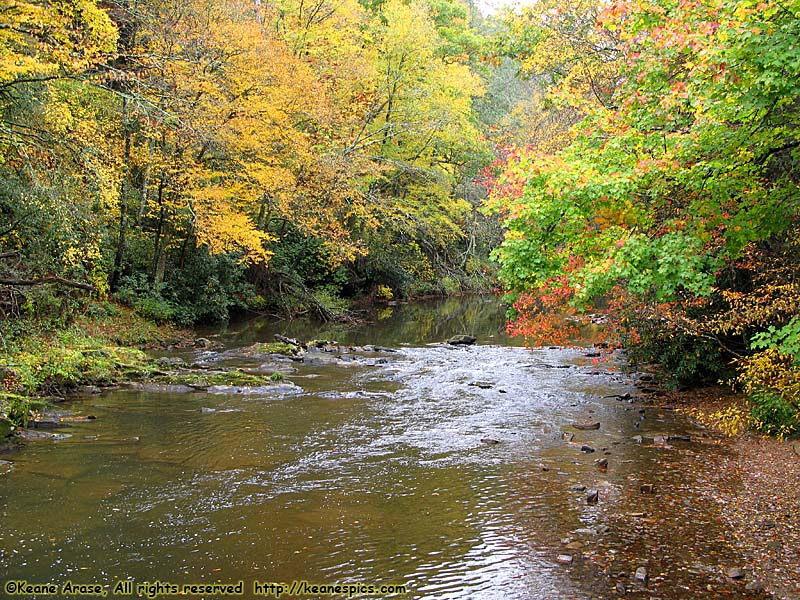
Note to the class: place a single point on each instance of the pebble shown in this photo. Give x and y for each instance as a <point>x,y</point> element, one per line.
<point>592,496</point>
<point>565,559</point>
<point>641,575</point>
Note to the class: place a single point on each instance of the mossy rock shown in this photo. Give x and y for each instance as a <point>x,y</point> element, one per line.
<point>281,348</point>
<point>205,379</point>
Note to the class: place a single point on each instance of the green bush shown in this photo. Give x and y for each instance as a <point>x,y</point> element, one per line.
<point>686,360</point>
<point>774,415</point>
<point>156,309</point>
<point>328,297</point>
<point>450,286</point>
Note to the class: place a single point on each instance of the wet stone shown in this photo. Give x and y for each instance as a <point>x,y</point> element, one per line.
<point>592,496</point>
<point>586,425</point>
<point>587,449</point>
<point>565,559</point>
<point>481,384</point>
<point>490,441</point>
<point>735,573</point>
<point>647,488</point>
<point>641,575</point>
<point>462,340</point>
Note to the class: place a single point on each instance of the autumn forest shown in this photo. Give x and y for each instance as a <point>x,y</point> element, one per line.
<point>193,159</point>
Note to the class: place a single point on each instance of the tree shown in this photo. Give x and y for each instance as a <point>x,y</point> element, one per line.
<point>691,167</point>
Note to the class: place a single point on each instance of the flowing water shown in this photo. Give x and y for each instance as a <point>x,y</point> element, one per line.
<point>378,468</point>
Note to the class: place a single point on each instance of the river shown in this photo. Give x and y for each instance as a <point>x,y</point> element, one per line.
<point>448,470</point>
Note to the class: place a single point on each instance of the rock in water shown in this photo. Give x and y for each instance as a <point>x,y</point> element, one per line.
<point>592,496</point>
<point>490,441</point>
<point>586,425</point>
<point>202,342</point>
<point>735,573</point>
<point>564,559</point>
<point>462,340</point>
<point>641,575</point>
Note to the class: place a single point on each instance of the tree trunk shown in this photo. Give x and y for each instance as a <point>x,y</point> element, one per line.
<point>123,200</point>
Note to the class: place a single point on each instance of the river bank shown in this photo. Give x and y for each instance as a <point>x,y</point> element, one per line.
<point>752,482</point>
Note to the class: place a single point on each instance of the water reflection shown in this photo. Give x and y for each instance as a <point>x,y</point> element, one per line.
<point>411,323</point>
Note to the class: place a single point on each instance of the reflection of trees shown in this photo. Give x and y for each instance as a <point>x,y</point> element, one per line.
<point>435,321</point>
<point>414,323</point>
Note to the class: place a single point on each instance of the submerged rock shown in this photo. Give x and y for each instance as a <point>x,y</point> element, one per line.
<point>490,441</point>
<point>36,435</point>
<point>262,390</point>
<point>586,425</point>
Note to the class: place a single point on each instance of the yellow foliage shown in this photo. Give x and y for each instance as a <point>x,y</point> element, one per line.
<point>56,38</point>
<point>731,420</point>
<point>223,230</point>
<point>770,370</point>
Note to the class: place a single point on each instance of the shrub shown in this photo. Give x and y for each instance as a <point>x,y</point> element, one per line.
<point>774,415</point>
<point>771,382</point>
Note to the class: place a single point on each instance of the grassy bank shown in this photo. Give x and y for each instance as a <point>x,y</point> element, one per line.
<point>42,361</point>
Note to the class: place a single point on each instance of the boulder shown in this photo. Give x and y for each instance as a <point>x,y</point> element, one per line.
<point>462,340</point>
